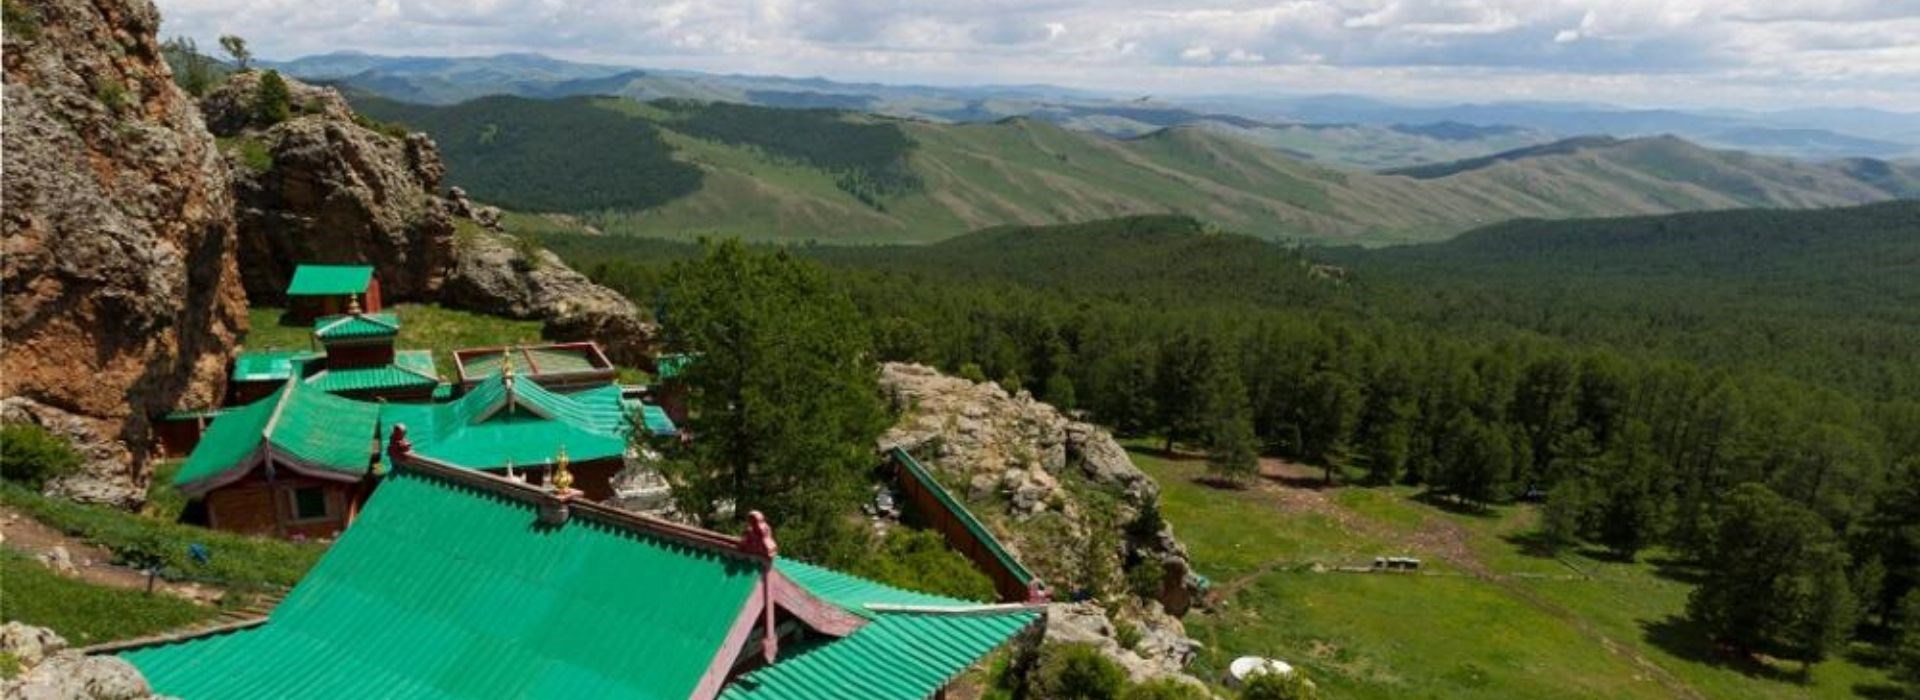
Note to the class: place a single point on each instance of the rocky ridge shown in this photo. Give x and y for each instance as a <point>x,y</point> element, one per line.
<point>1063,497</point>
<point>51,671</point>
<point>122,291</point>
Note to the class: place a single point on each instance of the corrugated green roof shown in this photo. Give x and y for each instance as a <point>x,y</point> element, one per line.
<point>313,429</point>
<point>491,425</point>
<point>551,360</point>
<point>354,326</point>
<point>966,517</point>
<point>410,369</point>
<point>672,366</point>
<point>656,420</point>
<point>319,280</point>
<point>266,365</point>
<point>898,655</point>
<point>441,590</point>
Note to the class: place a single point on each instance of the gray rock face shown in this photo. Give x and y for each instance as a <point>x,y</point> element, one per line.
<point>331,190</point>
<point>122,297</point>
<point>1162,651</point>
<point>492,273</point>
<point>50,671</point>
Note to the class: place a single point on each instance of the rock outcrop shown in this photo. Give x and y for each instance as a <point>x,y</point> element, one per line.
<point>122,294</point>
<point>494,272</point>
<point>51,671</point>
<point>323,186</point>
<point>1064,497</point>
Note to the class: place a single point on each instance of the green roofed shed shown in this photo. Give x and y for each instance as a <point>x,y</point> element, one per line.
<point>356,326</point>
<point>330,280</point>
<point>302,430</point>
<point>454,584</point>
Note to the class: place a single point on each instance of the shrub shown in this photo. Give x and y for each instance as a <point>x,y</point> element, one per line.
<point>1144,579</point>
<point>21,21</point>
<point>31,456</point>
<point>1077,671</point>
<point>1279,686</point>
<point>273,103</point>
<point>113,95</point>
<point>972,372</point>
<point>1127,634</point>
<point>1165,689</point>
<point>920,560</point>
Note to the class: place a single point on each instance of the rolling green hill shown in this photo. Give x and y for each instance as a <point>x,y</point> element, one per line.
<point>844,177</point>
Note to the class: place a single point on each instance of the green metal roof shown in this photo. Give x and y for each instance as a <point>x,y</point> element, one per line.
<point>966,517</point>
<point>528,425</point>
<point>266,365</point>
<point>327,280</point>
<point>898,655</point>
<point>672,366</point>
<point>410,369</point>
<point>654,419</point>
<point>356,326</point>
<point>444,590</point>
<point>299,426</point>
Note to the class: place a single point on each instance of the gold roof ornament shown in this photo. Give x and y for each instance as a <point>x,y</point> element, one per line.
<point>562,479</point>
<point>353,304</point>
<point>506,363</point>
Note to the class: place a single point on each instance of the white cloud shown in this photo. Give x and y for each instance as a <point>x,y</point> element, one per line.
<point>1643,51</point>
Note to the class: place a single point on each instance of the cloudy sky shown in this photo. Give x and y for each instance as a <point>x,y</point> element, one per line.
<point>1742,53</point>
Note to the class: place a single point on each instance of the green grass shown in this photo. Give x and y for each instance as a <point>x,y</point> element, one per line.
<point>85,613</point>
<point>421,326</point>
<point>238,561</point>
<point>1488,619</point>
<point>253,152</point>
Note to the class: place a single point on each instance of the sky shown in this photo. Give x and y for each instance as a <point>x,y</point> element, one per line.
<point>1681,53</point>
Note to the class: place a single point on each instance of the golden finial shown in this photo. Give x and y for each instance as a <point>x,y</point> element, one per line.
<point>353,304</point>
<point>562,479</point>
<point>506,363</point>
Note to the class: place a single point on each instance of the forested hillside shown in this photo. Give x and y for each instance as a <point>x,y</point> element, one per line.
<point>1591,375</point>
<point>844,177</point>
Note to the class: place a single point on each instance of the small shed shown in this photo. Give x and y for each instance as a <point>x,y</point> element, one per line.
<point>327,290</point>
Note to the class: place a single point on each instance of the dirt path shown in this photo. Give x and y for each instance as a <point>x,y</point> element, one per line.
<point>1296,488</point>
<point>90,563</point>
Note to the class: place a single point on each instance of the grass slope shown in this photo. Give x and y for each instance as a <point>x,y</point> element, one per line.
<point>421,326</point>
<point>85,613</point>
<point>1486,619</point>
<point>679,169</point>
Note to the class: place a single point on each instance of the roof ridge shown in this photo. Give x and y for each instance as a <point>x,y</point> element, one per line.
<point>968,609</point>
<point>273,421</point>
<point>403,456</point>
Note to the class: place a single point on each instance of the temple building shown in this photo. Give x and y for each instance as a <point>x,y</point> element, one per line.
<point>558,366</point>
<point>295,462</point>
<point>461,584</point>
<point>325,290</point>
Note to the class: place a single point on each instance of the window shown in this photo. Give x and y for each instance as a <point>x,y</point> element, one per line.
<point>308,503</point>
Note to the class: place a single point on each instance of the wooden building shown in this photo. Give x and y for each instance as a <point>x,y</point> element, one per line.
<point>459,584</point>
<point>564,367</point>
<point>328,290</point>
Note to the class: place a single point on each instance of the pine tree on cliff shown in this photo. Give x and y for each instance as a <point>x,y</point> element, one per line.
<point>785,396</point>
<point>273,103</point>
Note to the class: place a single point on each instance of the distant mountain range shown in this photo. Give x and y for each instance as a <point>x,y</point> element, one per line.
<point>680,168</point>
<point>1334,129</point>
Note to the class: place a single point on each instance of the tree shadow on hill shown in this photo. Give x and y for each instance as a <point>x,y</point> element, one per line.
<point>1454,505</point>
<point>1298,481</point>
<point>1687,640</point>
<point>1534,543</point>
<point>1677,569</point>
<point>1221,483</point>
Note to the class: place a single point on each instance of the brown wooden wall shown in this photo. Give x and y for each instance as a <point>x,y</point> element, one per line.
<point>928,508</point>
<point>369,355</point>
<point>253,506</point>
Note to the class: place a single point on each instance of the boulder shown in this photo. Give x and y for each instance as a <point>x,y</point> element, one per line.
<point>498,273</point>
<point>324,186</point>
<point>1162,650</point>
<point>51,671</point>
<point>28,644</point>
<point>122,293</point>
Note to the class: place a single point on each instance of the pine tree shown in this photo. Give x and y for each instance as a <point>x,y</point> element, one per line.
<point>1906,646</point>
<point>273,103</point>
<point>784,394</point>
<point>1775,579</point>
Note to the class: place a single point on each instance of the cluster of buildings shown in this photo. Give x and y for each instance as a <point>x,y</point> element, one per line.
<point>478,555</point>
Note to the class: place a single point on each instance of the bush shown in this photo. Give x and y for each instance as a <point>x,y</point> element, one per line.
<point>273,103</point>
<point>1165,689</point>
<point>1145,578</point>
<point>1127,634</point>
<point>1077,671</point>
<point>31,456</point>
<point>920,560</point>
<point>1279,686</point>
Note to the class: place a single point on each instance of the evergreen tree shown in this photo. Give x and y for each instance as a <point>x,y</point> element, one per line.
<point>237,48</point>
<point>1775,579</point>
<point>1633,504</point>
<point>1232,448</point>
<point>1563,517</point>
<point>784,394</point>
<point>272,104</point>
<point>1906,646</point>
<point>1892,535</point>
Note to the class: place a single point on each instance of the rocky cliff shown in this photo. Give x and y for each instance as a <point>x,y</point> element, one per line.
<point>1065,498</point>
<point>321,186</point>
<point>122,294</point>
<point>325,185</point>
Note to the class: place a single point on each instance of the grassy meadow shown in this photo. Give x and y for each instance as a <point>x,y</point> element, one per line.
<point>1485,618</point>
